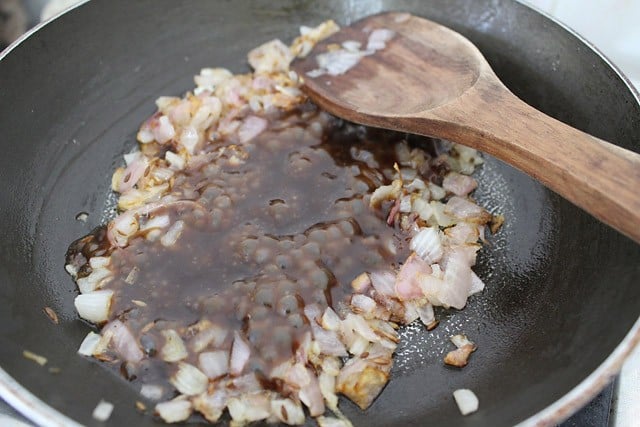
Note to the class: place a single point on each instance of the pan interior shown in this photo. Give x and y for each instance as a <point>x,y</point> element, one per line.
<point>561,288</point>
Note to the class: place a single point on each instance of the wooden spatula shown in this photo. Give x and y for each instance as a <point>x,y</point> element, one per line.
<point>429,80</point>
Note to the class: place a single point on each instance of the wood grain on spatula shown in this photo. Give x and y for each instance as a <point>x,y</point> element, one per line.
<point>430,80</point>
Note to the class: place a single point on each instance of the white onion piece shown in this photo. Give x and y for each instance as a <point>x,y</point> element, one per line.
<point>462,208</point>
<point>384,282</point>
<point>427,316</point>
<point>214,363</point>
<point>378,38</point>
<point>94,281</point>
<point>121,228</point>
<point>152,391</point>
<point>466,400</point>
<point>332,422</point>
<point>99,261</point>
<point>251,127</point>
<point>94,306</point>
<point>172,234</point>
<point>459,184</point>
<point>363,303</point>
<point>270,57</point>
<point>211,405</point>
<point>438,210</point>
<point>405,204</point>
<point>249,407</point>
<point>132,174</point>
<point>160,221</point>
<point>189,139</point>
<point>477,285</point>
<point>124,342</point>
<point>462,233</point>
<point>407,286</point>
<point>423,209</point>
<point>189,380</point>
<point>328,389</point>
<point>240,352</point>
<point>214,335</point>
<point>164,130</point>
<point>311,396</point>
<point>287,411</point>
<point>360,326</point>
<point>337,62</point>
<point>330,320</point>
<point>416,185</point>
<point>209,78</point>
<point>102,411</point>
<point>174,411</point>
<point>175,161</point>
<point>173,349</point>
<point>427,244</point>
<point>89,344</point>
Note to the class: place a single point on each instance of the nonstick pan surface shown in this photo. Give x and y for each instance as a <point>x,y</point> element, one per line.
<point>562,293</point>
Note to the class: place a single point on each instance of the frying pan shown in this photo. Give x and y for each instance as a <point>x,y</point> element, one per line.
<point>561,307</point>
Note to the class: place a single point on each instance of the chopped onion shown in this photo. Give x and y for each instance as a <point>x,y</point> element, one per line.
<point>124,342</point>
<point>172,234</point>
<point>214,335</point>
<point>214,363</point>
<point>164,131</point>
<point>98,277</point>
<point>189,380</point>
<point>240,353</point>
<point>466,400</point>
<point>464,209</point>
<point>175,161</point>
<point>173,349</point>
<point>287,411</point>
<point>152,391</point>
<point>248,408</point>
<point>378,38</point>
<point>459,184</point>
<point>94,306</point>
<point>251,127</point>
<point>407,285</point>
<point>173,411</point>
<point>427,244</point>
<point>384,282</point>
<point>99,261</point>
<point>477,285</point>
<point>330,320</point>
<point>211,405</point>
<point>89,344</point>
<point>332,422</point>
<point>102,411</point>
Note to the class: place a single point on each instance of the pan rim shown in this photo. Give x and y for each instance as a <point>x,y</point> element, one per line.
<point>41,413</point>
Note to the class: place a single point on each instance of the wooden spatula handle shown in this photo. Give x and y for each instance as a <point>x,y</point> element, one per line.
<point>597,176</point>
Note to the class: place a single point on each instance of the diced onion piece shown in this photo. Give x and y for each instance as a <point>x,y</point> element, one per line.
<point>466,400</point>
<point>459,184</point>
<point>251,127</point>
<point>89,344</point>
<point>248,408</point>
<point>99,261</point>
<point>477,285</point>
<point>378,38</point>
<point>176,162</point>
<point>40,360</point>
<point>270,57</point>
<point>173,411</point>
<point>384,282</point>
<point>386,192</point>
<point>423,209</point>
<point>172,234</point>
<point>330,320</point>
<point>102,411</point>
<point>427,244</point>
<point>211,405</point>
<point>461,340</point>
<point>189,380</point>
<point>173,349</point>
<point>332,422</point>
<point>240,352</point>
<point>124,342</point>
<point>361,283</point>
<point>214,363</point>
<point>287,411</point>
<point>94,306</point>
<point>164,131</point>
<point>152,391</point>
<point>214,335</point>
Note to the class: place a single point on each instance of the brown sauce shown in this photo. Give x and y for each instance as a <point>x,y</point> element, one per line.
<point>288,226</point>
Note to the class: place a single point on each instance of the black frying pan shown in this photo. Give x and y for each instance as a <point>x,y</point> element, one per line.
<point>561,307</point>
